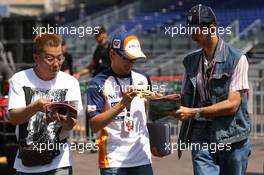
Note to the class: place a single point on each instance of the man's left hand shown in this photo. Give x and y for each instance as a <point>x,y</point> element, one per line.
<point>183,113</point>
<point>67,122</point>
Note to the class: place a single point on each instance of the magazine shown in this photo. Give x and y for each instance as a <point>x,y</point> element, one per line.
<point>62,108</point>
<point>157,106</point>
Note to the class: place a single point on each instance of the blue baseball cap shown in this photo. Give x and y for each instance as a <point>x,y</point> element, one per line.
<point>127,45</point>
<point>200,15</point>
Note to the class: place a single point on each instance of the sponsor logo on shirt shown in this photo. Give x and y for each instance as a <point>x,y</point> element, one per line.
<point>91,108</point>
<point>114,96</point>
<point>118,118</point>
<point>113,103</point>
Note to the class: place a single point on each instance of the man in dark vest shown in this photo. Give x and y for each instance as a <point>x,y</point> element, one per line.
<point>214,113</point>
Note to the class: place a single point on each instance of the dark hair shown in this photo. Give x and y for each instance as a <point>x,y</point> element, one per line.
<point>100,31</point>
<point>63,43</point>
<point>208,24</point>
<point>46,39</point>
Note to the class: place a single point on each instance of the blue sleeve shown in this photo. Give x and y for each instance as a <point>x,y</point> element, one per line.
<point>95,99</point>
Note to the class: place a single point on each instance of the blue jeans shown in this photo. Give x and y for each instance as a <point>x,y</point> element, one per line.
<point>139,170</point>
<point>217,159</point>
<point>59,171</point>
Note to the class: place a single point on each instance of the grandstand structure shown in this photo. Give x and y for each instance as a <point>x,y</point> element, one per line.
<point>245,22</point>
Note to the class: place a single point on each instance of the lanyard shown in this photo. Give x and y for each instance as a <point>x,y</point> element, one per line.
<point>130,83</point>
<point>120,87</point>
<point>216,58</point>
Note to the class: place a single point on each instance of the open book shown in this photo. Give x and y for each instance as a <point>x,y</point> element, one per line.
<point>62,108</point>
<point>158,105</point>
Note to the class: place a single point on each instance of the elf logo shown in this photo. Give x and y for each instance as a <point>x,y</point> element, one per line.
<point>116,44</point>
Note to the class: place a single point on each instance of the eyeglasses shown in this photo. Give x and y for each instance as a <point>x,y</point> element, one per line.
<point>51,58</point>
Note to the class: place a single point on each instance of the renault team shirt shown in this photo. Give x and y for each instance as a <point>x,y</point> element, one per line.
<point>118,148</point>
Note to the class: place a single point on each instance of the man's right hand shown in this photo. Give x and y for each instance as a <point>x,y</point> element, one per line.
<point>77,76</point>
<point>128,96</point>
<point>41,103</point>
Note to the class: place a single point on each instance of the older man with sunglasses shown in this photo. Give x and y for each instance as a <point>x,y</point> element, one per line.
<point>30,92</point>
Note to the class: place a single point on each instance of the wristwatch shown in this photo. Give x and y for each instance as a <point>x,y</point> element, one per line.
<point>197,114</point>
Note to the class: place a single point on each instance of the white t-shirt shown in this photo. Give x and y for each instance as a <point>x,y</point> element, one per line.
<point>118,148</point>
<point>27,87</point>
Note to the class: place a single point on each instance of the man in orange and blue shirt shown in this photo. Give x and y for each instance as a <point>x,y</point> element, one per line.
<point>118,114</point>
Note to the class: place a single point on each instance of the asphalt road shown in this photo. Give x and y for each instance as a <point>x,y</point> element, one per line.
<point>86,163</point>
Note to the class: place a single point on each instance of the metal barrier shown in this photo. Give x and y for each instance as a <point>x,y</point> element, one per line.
<point>82,132</point>
<point>256,107</point>
<point>78,133</point>
<point>257,127</point>
<point>175,131</point>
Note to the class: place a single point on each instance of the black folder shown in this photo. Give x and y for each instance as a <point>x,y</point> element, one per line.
<point>157,106</point>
